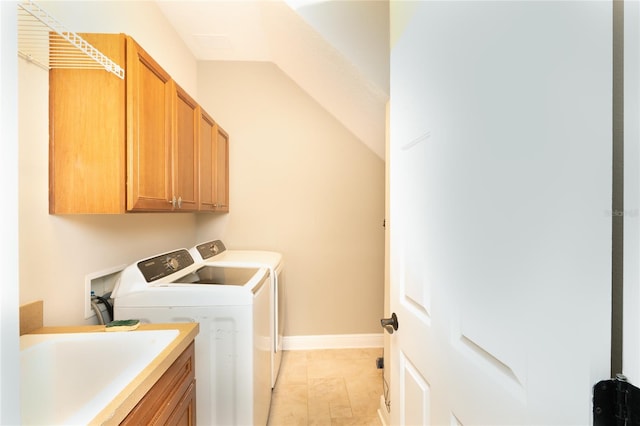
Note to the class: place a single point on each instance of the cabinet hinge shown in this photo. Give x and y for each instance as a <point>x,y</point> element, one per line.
<point>616,402</point>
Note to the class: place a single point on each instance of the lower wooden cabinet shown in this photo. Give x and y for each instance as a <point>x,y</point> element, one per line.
<point>172,400</point>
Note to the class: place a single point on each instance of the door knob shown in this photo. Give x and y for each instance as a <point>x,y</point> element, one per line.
<point>390,324</point>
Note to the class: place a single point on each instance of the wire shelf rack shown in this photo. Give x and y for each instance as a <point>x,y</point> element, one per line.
<point>47,43</point>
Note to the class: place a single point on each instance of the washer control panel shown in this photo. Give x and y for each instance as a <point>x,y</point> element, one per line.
<point>210,249</point>
<point>160,266</point>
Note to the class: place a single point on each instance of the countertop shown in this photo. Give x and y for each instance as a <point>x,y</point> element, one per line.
<point>126,400</point>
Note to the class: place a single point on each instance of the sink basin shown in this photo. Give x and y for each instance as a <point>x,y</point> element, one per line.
<point>69,378</point>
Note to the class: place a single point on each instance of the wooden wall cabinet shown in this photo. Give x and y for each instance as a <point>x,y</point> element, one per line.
<point>172,400</point>
<point>127,146</point>
<point>214,166</point>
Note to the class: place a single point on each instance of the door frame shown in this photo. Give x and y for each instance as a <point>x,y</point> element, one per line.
<point>631,212</point>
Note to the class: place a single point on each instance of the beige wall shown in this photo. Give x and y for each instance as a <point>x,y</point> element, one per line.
<point>303,185</point>
<point>300,184</point>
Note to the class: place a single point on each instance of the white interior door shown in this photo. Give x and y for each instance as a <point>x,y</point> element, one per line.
<point>500,210</point>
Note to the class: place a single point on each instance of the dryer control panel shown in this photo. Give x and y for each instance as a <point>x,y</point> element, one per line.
<point>210,249</point>
<point>160,266</point>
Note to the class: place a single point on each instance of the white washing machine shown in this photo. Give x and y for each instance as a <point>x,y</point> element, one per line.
<point>215,253</point>
<point>233,348</point>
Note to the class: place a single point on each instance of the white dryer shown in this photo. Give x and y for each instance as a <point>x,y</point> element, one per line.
<point>233,306</point>
<point>215,253</point>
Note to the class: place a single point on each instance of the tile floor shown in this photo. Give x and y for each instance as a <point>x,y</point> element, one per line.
<point>327,387</point>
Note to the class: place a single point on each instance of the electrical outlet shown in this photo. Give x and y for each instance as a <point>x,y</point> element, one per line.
<point>99,283</point>
<point>380,363</point>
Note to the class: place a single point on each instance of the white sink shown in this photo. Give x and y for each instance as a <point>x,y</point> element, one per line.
<point>69,378</point>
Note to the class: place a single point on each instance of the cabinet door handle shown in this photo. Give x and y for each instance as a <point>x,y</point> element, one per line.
<point>179,202</point>
<point>173,202</point>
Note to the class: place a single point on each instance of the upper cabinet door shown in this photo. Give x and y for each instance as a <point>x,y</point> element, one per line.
<point>149,96</point>
<point>207,162</point>
<point>185,151</point>
<point>222,170</point>
<point>214,166</point>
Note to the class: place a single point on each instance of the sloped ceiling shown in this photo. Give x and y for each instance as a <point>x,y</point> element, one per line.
<point>336,50</point>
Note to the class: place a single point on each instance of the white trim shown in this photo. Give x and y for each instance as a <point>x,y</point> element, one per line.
<point>88,284</point>
<point>333,341</point>
<point>631,238</point>
<point>9,174</point>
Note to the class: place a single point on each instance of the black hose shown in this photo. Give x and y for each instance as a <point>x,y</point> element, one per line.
<point>106,303</point>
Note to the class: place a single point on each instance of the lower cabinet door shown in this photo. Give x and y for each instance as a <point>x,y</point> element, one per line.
<point>171,400</point>
<point>185,412</point>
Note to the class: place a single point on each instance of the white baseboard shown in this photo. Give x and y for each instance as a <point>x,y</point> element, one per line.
<point>333,341</point>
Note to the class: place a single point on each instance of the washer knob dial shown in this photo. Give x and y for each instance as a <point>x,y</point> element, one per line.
<point>172,263</point>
